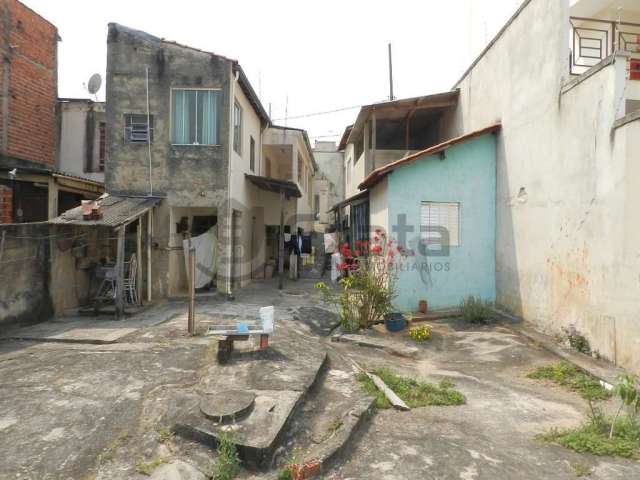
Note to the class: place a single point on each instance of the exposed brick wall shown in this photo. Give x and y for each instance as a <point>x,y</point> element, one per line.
<point>31,58</point>
<point>6,204</point>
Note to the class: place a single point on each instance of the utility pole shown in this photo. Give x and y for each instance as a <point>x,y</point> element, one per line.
<point>391,98</point>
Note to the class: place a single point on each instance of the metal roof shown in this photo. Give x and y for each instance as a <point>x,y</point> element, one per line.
<point>116,211</point>
<point>275,185</point>
<point>374,177</point>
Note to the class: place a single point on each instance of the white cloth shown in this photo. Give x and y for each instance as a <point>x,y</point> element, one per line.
<point>336,259</point>
<point>330,243</point>
<point>205,246</point>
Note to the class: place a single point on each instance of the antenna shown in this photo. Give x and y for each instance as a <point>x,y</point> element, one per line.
<point>391,97</point>
<point>95,82</point>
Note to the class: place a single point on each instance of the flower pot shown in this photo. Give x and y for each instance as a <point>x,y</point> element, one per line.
<point>423,306</point>
<point>395,322</point>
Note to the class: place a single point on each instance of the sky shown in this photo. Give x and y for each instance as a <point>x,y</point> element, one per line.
<point>302,57</point>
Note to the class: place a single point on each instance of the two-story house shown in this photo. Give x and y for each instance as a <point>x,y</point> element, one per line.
<point>186,126</point>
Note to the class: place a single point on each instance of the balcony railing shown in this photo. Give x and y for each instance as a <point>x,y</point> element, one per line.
<point>593,40</point>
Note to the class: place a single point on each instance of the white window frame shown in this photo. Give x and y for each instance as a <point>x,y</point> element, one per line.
<point>171,118</point>
<point>236,104</point>
<point>453,215</point>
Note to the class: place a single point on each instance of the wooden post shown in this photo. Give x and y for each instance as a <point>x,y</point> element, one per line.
<point>120,274</point>
<point>139,260</point>
<point>191,323</point>
<point>52,194</point>
<point>281,244</point>
<point>149,237</point>
<point>374,136</point>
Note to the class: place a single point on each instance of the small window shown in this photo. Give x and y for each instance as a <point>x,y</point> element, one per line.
<point>237,128</point>
<point>252,154</point>
<point>440,223</point>
<point>194,117</point>
<point>102,148</point>
<point>300,168</point>
<point>136,129</point>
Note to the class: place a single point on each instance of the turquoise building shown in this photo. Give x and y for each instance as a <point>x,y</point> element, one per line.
<point>440,205</point>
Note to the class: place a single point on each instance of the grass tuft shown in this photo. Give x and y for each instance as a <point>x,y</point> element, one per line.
<point>593,437</point>
<point>567,375</point>
<point>227,465</point>
<point>413,393</point>
<point>147,468</point>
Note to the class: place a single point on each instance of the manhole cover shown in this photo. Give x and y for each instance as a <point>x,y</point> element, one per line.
<point>224,406</point>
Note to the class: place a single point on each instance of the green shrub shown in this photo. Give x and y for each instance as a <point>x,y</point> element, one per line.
<point>568,375</point>
<point>227,465</point>
<point>475,310</point>
<point>421,333</point>
<point>413,393</point>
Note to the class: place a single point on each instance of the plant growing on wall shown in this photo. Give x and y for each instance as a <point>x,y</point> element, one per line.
<point>368,286</point>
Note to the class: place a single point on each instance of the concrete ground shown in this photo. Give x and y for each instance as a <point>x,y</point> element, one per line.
<point>103,411</point>
<point>493,435</point>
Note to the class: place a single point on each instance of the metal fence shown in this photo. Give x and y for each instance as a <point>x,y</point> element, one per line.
<point>593,40</point>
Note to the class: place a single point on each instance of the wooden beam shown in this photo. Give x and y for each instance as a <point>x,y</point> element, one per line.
<point>120,274</point>
<point>139,260</point>
<point>281,244</point>
<point>52,198</point>
<point>149,237</point>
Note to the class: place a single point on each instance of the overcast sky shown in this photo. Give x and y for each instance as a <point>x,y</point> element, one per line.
<point>313,56</point>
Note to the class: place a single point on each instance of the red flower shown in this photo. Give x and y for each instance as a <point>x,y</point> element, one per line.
<point>357,253</point>
<point>358,243</point>
<point>391,253</point>
<point>377,249</point>
<point>342,266</point>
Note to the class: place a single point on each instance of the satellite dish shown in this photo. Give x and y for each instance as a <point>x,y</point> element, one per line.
<point>95,82</point>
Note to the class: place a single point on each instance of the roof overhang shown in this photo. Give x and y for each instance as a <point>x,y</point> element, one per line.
<point>399,109</point>
<point>354,199</point>
<point>378,174</point>
<point>116,212</point>
<point>275,185</point>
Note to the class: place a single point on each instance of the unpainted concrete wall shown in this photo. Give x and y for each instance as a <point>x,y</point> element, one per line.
<point>24,274</point>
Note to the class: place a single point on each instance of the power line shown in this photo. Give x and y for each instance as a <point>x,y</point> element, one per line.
<point>315,114</point>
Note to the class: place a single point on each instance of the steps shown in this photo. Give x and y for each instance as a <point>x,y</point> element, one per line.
<point>328,419</point>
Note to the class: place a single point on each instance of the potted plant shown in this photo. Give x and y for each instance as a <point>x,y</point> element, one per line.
<point>423,306</point>
<point>395,321</point>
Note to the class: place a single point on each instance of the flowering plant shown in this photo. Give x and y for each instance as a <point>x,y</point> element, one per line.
<point>368,286</point>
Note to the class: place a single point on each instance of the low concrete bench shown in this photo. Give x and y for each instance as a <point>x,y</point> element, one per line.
<point>227,335</point>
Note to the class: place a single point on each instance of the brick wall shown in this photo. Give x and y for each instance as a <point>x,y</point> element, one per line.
<point>33,88</point>
<point>6,204</point>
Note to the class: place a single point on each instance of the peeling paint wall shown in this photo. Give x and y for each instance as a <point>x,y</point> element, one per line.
<point>187,176</point>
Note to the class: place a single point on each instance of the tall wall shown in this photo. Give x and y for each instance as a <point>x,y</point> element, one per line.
<point>564,215</point>
<point>29,85</point>
<point>331,163</point>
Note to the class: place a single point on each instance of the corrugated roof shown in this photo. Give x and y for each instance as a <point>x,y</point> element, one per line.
<point>116,211</point>
<point>377,175</point>
<point>275,185</point>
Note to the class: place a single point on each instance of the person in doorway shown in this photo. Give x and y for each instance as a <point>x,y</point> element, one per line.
<point>298,251</point>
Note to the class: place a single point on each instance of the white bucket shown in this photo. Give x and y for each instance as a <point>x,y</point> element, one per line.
<point>266,316</point>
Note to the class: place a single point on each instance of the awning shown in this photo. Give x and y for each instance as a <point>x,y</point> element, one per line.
<point>116,211</point>
<point>275,185</point>
<point>354,199</point>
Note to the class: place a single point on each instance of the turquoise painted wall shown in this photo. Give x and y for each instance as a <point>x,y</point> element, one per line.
<point>466,175</point>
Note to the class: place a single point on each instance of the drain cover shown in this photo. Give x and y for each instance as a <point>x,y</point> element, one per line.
<point>228,405</point>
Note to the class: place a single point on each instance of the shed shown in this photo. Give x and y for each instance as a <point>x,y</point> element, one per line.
<point>116,212</point>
